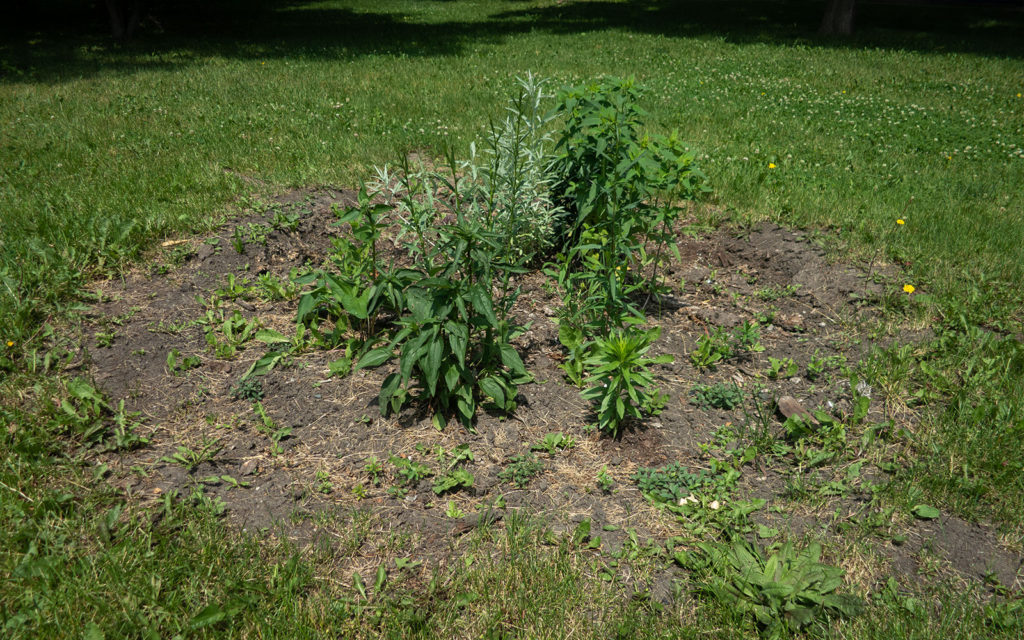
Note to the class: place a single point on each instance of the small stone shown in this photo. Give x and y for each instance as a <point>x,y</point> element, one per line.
<point>248,468</point>
<point>790,322</point>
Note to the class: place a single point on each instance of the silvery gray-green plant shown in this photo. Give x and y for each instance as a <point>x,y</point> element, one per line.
<point>513,173</point>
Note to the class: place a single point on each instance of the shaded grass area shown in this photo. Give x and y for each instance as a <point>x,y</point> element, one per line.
<point>105,148</point>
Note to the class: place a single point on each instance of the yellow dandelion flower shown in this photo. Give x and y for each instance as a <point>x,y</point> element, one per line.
<point>1018,95</point>
<point>10,343</point>
<point>771,165</point>
<point>909,288</point>
<point>900,221</point>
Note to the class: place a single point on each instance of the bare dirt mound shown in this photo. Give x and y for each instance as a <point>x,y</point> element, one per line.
<point>306,466</point>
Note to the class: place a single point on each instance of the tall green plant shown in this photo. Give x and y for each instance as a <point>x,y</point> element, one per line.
<point>622,385</point>
<point>619,190</point>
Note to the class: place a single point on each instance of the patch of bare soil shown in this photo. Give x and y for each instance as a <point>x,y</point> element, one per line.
<point>313,484</point>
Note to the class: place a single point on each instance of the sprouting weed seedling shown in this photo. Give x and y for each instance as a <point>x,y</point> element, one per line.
<point>270,428</point>
<point>720,395</point>
<point>323,482</point>
<point>374,469</point>
<point>451,459</point>
<point>720,345</point>
<point>453,481</point>
<point>747,338</point>
<point>250,388</point>
<point>815,367</point>
<point>453,511</point>
<point>285,221</point>
<point>552,442</point>
<point>411,470</point>
<point>604,480</point>
<point>191,458</point>
<point>769,294</point>
<point>521,469</point>
<point>781,368</point>
<point>178,366</point>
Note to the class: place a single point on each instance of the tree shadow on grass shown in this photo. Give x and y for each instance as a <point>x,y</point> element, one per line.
<point>48,44</point>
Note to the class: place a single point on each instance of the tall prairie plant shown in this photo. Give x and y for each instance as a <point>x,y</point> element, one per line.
<point>513,170</point>
<point>619,190</point>
<point>445,315</point>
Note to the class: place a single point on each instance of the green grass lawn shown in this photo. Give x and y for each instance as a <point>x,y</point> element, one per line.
<point>106,148</point>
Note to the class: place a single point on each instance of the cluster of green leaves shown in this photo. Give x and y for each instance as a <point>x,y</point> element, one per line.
<point>621,383</point>
<point>553,442</point>
<point>719,395</point>
<point>781,368</point>
<point>619,189</point>
<point>521,469</point>
<point>226,333</point>
<point>720,345</point>
<point>87,415</point>
<point>178,367</point>
<point>454,475</point>
<point>670,484</point>
<point>786,590</point>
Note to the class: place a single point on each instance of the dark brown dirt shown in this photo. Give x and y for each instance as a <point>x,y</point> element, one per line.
<point>304,490</point>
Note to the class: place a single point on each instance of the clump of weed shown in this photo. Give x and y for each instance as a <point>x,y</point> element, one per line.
<point>720,395</point>
<point>521,469</point>
<point>248,388</point>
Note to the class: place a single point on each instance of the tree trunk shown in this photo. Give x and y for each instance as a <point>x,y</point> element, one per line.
<point>125,16</point>
<point>838,19</point>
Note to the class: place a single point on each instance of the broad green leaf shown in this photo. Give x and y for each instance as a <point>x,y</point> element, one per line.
<point>210,615</point>
<point>306,305</point>
<point>270,336</point>
<point>492,387</point>
<point>510,358</point>
<point>375,358</point>
<point>431,365</point>
<point>451,377</point>
<point>925,512</point>
<point>482,303</point>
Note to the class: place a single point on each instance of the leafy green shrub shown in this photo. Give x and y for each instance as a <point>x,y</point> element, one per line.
<point>609,174</point>
<point>622,385</point>
<point>619,190</point>
<point>719,395</point>
<point>786,590</point>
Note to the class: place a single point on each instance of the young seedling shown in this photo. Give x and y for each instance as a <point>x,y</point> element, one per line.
<point>552,442</point>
